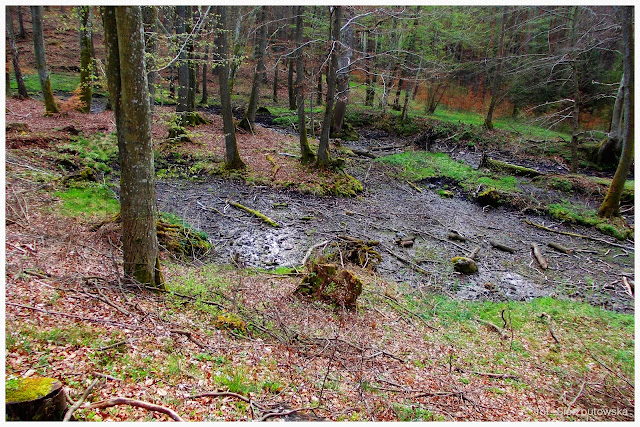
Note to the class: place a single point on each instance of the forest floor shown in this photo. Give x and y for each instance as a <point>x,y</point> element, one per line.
<point>513,342</point>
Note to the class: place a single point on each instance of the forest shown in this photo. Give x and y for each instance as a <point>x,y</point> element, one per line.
<point>319,213</point>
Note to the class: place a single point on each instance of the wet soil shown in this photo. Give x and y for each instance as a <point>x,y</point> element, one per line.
<point>390,208</point>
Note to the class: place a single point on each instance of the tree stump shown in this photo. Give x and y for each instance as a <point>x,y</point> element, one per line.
<point>35,399</point>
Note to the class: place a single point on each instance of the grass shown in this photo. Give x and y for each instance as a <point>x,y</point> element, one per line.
<point>88,201</point>
<point>97,151</point>
<point>60,82</point>
<point>576,214</point>
<point>421,165</point>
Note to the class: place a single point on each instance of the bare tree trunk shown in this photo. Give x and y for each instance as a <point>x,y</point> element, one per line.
<point>50,106</point>
<point>611,204</point>
<point>343,71</point>
<point>575,116</point>
<point>496,81</point>
<point>370,77</point>
<point>323,146</point>
<point>149,16</point>
<point>129,92</point>
<point>21,23</point>
<point>232,156</point>
<point>319,88</point>
<point>306,153</point>
<point>248,121</point>
<point>182,106</point>
<point>292,92</point>
<point>610,149</point>
<point>205,64</point>
<point>86,61</point>
<point>275,82</point>
<point>11,40</point>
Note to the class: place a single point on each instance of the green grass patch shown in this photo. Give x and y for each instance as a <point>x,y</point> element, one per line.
<point>60,82</point>
<point>97,151</point>
<point>88,201</point>
<point>419,165</point>
<point>576,214</point>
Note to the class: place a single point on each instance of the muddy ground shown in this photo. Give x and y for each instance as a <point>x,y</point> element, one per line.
<point>390,208</point>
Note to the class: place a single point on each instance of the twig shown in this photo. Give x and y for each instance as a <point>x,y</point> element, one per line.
<point>493,326</point>
<point>190,337</point>
<point>281,414</point>
<point>553,335</point>
<point>80,401</point>
<point>490,374</point>
<point>138,403</point>
<point>578,395</point>
<point>226,394</point>
<point>582,236</point>
<point>109,377</point>
<point>311,249</point>
<point>112,345</point>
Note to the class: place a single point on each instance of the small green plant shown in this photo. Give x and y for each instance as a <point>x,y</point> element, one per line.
<point>236,381</point>
<point>88,201</point>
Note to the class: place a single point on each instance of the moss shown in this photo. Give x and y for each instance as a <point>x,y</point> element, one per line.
<point>179,237</point>
<point>446,194</point>
<point>490,197</point>
<point>464,265</point>
<point>230,321</point>
<point>25,389</point>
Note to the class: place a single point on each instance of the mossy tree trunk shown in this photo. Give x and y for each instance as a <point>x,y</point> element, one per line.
<point>15,60</point>
<point>307,155</point>
<point>129,92</point>
<point>50,106</point>
<point>86,60</point>
<point>248,121</point>
<point>611,204</point>
<point>334,36</point>
<point>232,156</point>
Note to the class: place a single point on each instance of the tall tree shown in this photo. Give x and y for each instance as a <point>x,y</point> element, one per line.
<point>22,35</point>
<point>129,92</point>
<point>11,40</point>
<point>609,150</point>
<point>611,205</point>
<point>496,76</point>
<point>232,156</point>
<point>86,60</point>
<point>334,40</point>
<point>50,106</point>
<point>306,153</point>
<point>343,72</point>
<point>248,121</point>
<point>149,19</point>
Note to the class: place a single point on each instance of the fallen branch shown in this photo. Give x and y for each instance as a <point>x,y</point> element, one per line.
<point>539,257</point>
<point>311,249</point>
<point>454,235</point>
<point>501,247</point>
<point>281,414</point>
<point>112,345</point>
<point>553,335</point>
<point>627,286</point>
<point>227,394</point>
<point>255,213</point>
<point>418,189</point>
<point>582,236</point>
<point>138,403</point>
<point>190,337</point>
<point>560,248</point>
<point>493,326</point>
<point>514,169</point>
<point>80,401</point>
<point>490,374</point>
<point>364,153</point>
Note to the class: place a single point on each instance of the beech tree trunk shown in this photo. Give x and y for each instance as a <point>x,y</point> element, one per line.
<point>248,121</point>
<point>86,61</point>
<point>149,17</point>
<point>343,71</point>
<point>129,92</point>
<point>306,153</point>
<point>15,60</point>
<point>183,65</point>
<point>205,64</point>
<point>292,92</point>
<point>50,106</point>
<point>496,81</point>
<point>370,78</point>
<point>21,23</point>
<point>611,204</point>
<point>334,36</point>
<point>609,151</point>
<point>275,82</point>
<point>232,156</point>
<point>575,116</point>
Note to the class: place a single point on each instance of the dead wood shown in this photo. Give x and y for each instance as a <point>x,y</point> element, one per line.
<point>406,261</point>
<point>628,287</point>
<point>553,335</point>
<point>281,414</point>
<point>539,257</point>
<point>492,326</point>
<point>454,235</point>
<point>511,168</point>
<point>80,401</point>
<point>415,187</point>
<point>582,236</point>
<point>474,253</point>
<point>118,344</point>
<point>190,337</point>
<point>489,374</point>
<point>364,153</point>
<point>501,246</point>
<point>131,402</point>
<point>560,248</point>
<point>255,213</point>
<point>311,249</point>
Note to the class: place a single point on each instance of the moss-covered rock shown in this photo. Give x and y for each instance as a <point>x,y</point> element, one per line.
<point>464,265</point>
<point>489,197</point>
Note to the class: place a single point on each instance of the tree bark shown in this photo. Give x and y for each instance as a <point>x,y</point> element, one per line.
<point>611,204</point>
<point>248,121</point>
<point>575,116</point>
<point>275,82</point>
<point>232,156</point>
<point>612,146</point>
<point>334,37</point>
<point>86,61</point>
<point>149,17</point>
<point>21,23</point>
<point>11,40</point>
<point>183,66</point>
<point>205,64</point>
<point>370,76</point>
<point>50,106</point>
<point>343,71</point>
<point>307,155</point>
<point>292,92</point>
<point>129,92</point>
<point>497,75</point>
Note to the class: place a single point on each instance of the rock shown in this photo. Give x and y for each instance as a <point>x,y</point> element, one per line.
<point>17,127</point>
<point>489,197</point>
<point>464,265</point>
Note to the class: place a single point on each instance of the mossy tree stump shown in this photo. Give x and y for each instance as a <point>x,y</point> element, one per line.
<point>328,282</point>
<point>35,399</point>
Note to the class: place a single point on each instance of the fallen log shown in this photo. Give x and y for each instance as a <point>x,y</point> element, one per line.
<point>501,247</point>
<point>582,236</point>
<point>364,153</point>
<point>255,213</point>
<point>539,257</point>
<point>560,248</point>
<point>511,168</point>
<point>454,235</point>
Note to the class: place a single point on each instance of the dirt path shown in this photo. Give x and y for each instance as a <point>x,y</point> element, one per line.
<point>390,208</point>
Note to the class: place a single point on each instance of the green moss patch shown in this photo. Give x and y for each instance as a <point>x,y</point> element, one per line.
<point>180,238</point>
<point>88,201</point>
<point>615,227</point>
<point>25,389</point>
